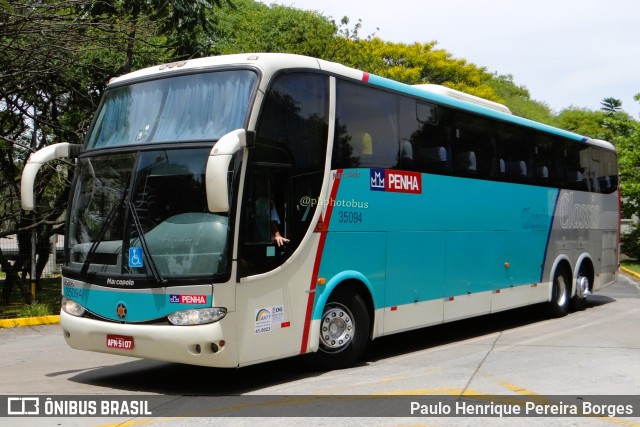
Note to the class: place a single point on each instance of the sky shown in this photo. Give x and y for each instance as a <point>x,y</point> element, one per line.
<point>567,53</point>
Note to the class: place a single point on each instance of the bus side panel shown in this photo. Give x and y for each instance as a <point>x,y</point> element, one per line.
<point>359,252</point>
<point>475,265</point>
<point>609,264</point>
<point>272,308</point>
<point>609,251</point>
<point>415,274</point>
<point>452,244</point>
<point>585,225</point>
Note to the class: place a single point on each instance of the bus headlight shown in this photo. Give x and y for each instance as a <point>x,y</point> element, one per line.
<point>197,316</point>
<point>72,307</point>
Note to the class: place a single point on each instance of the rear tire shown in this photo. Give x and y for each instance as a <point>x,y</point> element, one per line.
<point>344,331</point>
<point>560,293</point>
<point>583,288</point>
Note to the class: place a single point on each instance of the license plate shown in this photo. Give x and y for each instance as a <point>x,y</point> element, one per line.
<point>120,342</point>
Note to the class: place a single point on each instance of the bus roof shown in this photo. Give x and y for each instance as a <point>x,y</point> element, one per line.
<point>272,62</point>
<point>264,61</point>
<point>443,90</point>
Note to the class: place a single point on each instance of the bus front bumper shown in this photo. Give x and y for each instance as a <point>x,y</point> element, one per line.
<point>205,345</point>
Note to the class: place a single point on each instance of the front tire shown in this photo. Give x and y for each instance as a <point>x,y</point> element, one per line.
<point>560,293</point>
<point>344,331</point>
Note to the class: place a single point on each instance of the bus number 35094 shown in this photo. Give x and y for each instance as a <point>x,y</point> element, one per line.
<point>349,217</point>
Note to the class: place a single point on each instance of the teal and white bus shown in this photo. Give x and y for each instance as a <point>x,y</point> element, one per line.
<point>232,210</point>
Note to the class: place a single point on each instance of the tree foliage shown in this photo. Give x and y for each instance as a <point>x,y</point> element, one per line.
<point>56,59</point>
<point>419,63</point>
<point>45,90</point>
<point>519,101</point>
<point>611,105</point>
<point>255,27</point>
<point>629,165</point>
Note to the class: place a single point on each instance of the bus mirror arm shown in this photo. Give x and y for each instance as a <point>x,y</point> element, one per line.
<point>218,167</point>
<point>250,139</point>
<point>62,150</point>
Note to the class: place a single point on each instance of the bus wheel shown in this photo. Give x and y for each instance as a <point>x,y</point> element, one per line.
<point>579,300</point>
<point>559,304</point>
<point>344,331</point>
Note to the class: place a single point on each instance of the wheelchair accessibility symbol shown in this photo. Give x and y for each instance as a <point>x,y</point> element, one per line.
<point>135,257</point>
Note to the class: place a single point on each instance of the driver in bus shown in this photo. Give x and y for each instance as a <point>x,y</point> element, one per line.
<point>265,208</point>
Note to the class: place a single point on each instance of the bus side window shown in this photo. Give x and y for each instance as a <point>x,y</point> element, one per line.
<point>605,171</point>
<point>288,159</point>
<point>406,155</point>
<point>435,149</point>
<point>265,218</point>
<point>466,162</point>
<point>515,154</point>
<point>577,167</point>
<point>366,127</point>
<point>434,159</point>
<point>546,155</point>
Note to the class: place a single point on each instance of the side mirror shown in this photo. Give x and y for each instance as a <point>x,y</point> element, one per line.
<point>216,184</point>
<point>62,150</point>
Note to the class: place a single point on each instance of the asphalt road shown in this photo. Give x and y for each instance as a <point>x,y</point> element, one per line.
<point>517,353</point>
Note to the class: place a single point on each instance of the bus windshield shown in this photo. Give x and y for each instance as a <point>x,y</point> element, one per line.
<point>145,214</point>
<point>194,107</point>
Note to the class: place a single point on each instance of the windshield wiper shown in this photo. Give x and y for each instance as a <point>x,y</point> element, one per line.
<point>96,243</point>
<point>143,242</point>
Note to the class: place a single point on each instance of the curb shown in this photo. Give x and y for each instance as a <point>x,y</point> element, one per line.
<point>29,321</point>
<point>630,273</point>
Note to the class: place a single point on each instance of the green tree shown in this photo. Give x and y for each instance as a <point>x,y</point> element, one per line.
<point>185,23</point>
<point>611,105</point>
<point>624,132</point>
<point>181,27</point>
<point>418,63</point>
<point>584,122</point>
<point>56,59</point>
<point>256,27</point>
<point>45,94</point>
<point>629,167</point>
<point>519,101</point>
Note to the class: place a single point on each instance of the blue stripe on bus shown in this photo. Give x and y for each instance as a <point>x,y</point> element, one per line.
<point>443,99</point>
<point>140,306</point>
<point>555,206</point>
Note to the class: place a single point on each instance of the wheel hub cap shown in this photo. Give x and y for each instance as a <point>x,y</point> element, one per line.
<point>337,328</point>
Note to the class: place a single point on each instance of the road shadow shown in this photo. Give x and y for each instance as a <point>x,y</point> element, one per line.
<point>461,330</point>
<point>165,378</point>
<point>149,376</point>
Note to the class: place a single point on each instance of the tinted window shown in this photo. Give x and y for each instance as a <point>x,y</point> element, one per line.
<point>293,124</point>
<point>366,127</point>
<point>285,170</point>
<point>426,137</point>
<point>605,169</point>
<point>441,140</point>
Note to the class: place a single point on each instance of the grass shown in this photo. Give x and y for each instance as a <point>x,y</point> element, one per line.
<point>46,302</point>
<point>631,264</point>
<point>35,309</point>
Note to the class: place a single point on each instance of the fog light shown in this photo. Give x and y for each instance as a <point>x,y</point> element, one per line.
<point>72,307</point>
<point>197,316</point>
